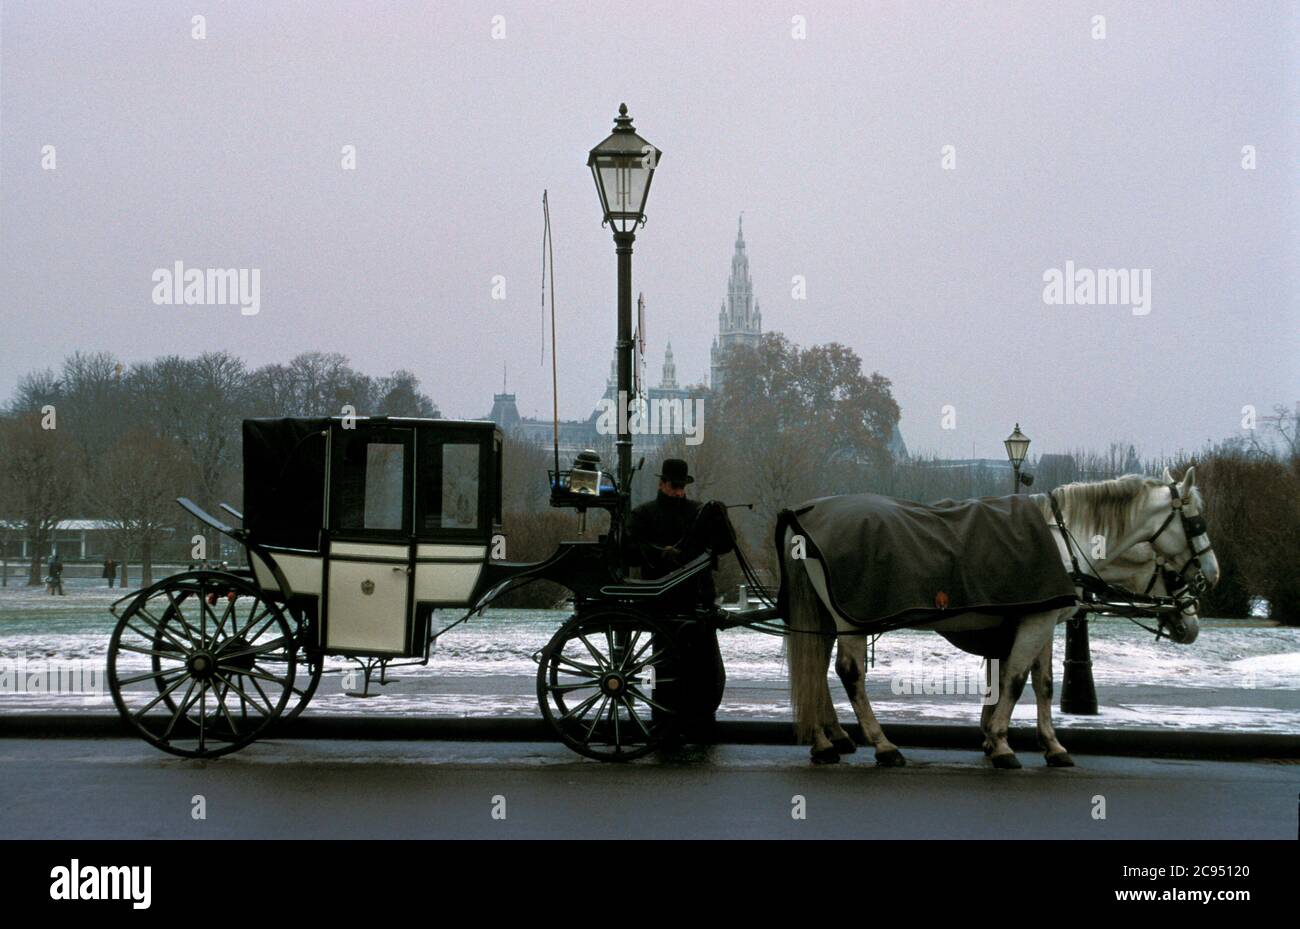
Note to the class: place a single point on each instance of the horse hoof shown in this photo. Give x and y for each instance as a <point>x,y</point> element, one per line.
<point>890,759</point>
<point>1060,760</point>
<point>844,746</point>
<point>825,756</point>
<point>1008,762</point>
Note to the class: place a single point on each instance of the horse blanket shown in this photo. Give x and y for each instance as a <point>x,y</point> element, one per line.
<point>892,563</point>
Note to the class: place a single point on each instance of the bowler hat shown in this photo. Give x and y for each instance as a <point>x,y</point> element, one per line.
<point>674,471</point>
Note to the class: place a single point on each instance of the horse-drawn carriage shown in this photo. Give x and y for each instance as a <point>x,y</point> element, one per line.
<point>359,531</point>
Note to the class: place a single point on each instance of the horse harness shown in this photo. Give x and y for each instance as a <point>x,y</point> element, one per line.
<point>1097,591</point>
<point>1193,526</point>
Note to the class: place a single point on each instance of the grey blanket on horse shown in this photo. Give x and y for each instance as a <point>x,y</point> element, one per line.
<point>892,563</point>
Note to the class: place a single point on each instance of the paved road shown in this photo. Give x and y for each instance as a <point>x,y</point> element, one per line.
<point>106,788</point>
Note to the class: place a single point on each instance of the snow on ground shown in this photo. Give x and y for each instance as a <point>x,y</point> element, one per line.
<point>1235,677</point>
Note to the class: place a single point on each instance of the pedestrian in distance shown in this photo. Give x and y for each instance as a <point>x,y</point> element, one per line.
<point>54,582</point>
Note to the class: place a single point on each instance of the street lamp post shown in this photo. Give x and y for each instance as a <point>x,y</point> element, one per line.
<point>623,166</point>
<point>1078,692</point>
<point>1017,445</point>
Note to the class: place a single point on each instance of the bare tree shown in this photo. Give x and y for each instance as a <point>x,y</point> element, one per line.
<point>399,395</point>
<point>136,483</point>
<point>199,403</point>
<point>41,468</point>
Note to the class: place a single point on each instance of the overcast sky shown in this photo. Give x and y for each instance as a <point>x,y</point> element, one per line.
<point>1122,152</point>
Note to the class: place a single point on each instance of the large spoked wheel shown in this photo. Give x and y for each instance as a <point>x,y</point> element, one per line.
<point>202,664</point>
<point>308,665</point>
<point>599,680</point>
<point>307,679</point>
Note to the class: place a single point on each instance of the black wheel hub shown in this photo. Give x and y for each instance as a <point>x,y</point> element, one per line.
<point>201,665</point>
<point>614,684</point>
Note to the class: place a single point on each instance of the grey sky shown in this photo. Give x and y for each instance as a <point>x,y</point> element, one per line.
<point>1123,152</point>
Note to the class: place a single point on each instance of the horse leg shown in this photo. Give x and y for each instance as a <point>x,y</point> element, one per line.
<point>851,666</point>
<point>840,739</point>
<point>986,713</point>
<point>1035,676</point>
<point>808,653</point>
<point>1053,750</point>
<point>828,722</point>
<point>1032,632</point>
<point>825,750</point>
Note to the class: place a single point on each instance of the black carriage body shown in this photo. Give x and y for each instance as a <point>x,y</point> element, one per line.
<point>356,531</point>
<point>366,525</point>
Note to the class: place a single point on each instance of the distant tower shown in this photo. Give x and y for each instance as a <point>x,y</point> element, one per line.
<point>739,320</point>
<point>669,379</point>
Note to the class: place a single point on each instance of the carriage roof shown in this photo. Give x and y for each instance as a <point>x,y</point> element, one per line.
<point>286,467</point>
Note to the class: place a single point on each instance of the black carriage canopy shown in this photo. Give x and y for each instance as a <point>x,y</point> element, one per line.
<point>285,473</point>
<point>284,480</point>
<point>892,563</point>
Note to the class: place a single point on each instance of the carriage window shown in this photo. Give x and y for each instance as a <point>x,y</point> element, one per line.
<point>450,482</point>
<point>459,486</point>
<point>370,488</point>
<point>383,486</point>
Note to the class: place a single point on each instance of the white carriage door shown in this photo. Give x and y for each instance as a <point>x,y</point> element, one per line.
<point>368,603</point>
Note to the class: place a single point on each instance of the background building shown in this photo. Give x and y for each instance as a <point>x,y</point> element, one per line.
<point>740,323</point>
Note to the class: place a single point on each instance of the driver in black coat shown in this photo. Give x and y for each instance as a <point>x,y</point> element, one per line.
<point>668,533</point>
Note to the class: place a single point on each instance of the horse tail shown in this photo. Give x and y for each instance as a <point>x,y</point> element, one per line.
<point>808,649</point>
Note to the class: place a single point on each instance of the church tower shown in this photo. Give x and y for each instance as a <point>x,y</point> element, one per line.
<point>739,321</point>
<point>668,381</point>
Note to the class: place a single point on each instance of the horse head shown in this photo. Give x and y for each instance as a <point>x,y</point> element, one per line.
<point>1137,572</point>
<point>1154,527</point>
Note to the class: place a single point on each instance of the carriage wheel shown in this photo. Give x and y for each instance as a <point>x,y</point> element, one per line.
<point>202,664</point>
<point>306,674</point>
<point>305,682</point>
<point>598,680</point>
<point>308,667</point>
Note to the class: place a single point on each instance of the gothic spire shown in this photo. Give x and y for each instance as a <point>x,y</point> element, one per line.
<point>669,378</point>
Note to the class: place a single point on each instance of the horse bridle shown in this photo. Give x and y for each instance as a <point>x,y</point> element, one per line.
<point>1176,581</point>
<point>1166,610</point>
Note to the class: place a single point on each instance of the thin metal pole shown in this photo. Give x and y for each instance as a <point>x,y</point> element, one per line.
<point>548,251</point>
<point>623,247</point>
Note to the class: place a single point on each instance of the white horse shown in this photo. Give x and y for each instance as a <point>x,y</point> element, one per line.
<point>1149,528</point>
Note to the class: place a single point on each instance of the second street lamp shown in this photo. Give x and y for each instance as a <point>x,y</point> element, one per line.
<point>1017,445</point>
<point>623,165</point>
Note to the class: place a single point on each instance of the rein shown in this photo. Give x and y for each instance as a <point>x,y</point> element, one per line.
<point>1193,527</point>
<point>1101,596</point>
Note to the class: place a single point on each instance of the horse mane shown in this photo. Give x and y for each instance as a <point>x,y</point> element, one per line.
<point>1109,507</point>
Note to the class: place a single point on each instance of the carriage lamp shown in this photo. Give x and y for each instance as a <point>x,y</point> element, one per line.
<point>623,166</point>
<point>1017,445</point>
<point>584,477</point>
